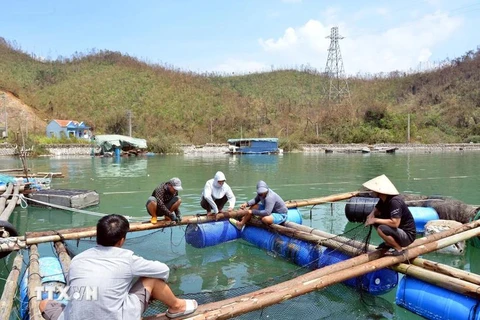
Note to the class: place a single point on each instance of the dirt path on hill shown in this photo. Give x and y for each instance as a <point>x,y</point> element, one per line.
<point>19,115</point>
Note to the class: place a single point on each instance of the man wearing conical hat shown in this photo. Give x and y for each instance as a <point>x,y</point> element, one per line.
<point>391,217</point>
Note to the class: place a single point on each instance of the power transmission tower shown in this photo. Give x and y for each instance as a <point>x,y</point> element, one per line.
<point>337,82</point>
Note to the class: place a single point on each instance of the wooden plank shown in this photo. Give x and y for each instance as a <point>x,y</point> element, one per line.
<point>10,288</point>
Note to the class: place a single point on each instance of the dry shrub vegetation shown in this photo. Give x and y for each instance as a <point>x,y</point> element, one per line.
<point>169,105</point>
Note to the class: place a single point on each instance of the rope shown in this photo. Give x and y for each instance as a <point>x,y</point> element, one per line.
<point>23,202</point>
<point>92,213</point>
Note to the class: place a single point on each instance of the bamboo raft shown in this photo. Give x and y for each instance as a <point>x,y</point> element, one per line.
<point>444,276</point>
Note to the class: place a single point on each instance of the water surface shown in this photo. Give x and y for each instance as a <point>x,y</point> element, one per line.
<point>124,185</point>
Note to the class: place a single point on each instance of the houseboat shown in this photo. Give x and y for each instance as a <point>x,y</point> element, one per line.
<point>253,146</point>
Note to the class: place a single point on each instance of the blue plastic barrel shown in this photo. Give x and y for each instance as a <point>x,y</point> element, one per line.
<point>300,252</point>
<point>117,152</point>
<point>211,233</point>
<point>262,238</point>
<point>422,215</point>
<point>433,302</point>
<point>294,215</point>
<point>375,282</point>
<point>51,273</point>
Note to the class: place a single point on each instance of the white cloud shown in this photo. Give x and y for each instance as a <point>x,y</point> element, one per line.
<point>398,48</point>
<point>311,36</point>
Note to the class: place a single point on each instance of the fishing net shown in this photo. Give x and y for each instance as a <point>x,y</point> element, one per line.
<point>237,268</point>
<point>447,208</point>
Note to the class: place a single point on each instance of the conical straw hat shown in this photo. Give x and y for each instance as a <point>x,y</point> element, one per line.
<point>381,184</point>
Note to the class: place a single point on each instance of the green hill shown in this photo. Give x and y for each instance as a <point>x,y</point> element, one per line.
<point>170,105</point>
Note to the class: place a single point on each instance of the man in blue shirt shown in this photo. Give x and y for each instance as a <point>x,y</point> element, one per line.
<point>267,204</point>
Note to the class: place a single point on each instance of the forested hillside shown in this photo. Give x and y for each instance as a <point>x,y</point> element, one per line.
<point>170,105</point>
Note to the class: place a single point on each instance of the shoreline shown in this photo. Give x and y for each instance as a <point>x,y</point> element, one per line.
<point>212,148</point>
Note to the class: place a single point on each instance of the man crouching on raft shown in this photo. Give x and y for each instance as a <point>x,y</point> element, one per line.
<point>165,201</point>
<point>391,217</point>
<point>267,204</point>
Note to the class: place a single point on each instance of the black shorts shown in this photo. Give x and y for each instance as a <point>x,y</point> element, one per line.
<point>400,236</point>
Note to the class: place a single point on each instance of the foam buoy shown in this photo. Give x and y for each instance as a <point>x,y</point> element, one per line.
<point>6,230</point>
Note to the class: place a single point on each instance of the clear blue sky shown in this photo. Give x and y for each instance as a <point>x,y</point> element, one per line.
<point>249,35</point>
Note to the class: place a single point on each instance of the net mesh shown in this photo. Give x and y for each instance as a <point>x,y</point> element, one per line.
<point>195,265</point>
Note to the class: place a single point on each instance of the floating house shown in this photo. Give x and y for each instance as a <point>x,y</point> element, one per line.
<point>68,128</point>
<point>253,146</point>
<point>116,143</point>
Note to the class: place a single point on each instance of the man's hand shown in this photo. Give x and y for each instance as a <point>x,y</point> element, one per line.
<point>370,219</point>
<point>243,205</point>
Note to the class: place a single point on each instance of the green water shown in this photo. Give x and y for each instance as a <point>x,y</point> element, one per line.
<point>124,185</point>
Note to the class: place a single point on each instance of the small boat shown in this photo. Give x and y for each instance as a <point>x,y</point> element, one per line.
<point>253,146</point>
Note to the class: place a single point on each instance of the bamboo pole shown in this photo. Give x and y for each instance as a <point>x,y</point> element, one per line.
<point>11,285</point>
<point>440,280</point>
<point>17,243</point>
<point>78,233</point>
<point>20,189</point>
<point>5,195</point>
<point>447,270</point>
<point>12,170</point>
<point>63,257</point>
<point>346,245</point>
<point>315,280</point>
<point>315,201</point>
<point>11,206</point>
<point>34,281</point>
<point>456,280</point>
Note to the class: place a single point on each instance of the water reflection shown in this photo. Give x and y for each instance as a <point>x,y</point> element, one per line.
<point>121,167</point>
<point>256,162</point>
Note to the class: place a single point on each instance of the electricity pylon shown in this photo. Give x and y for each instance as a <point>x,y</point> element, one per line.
<point>337,82</point>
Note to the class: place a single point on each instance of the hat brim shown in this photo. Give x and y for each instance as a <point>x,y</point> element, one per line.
<point>178,188</point>
<point>262,190</point>
<point>381,184</point>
